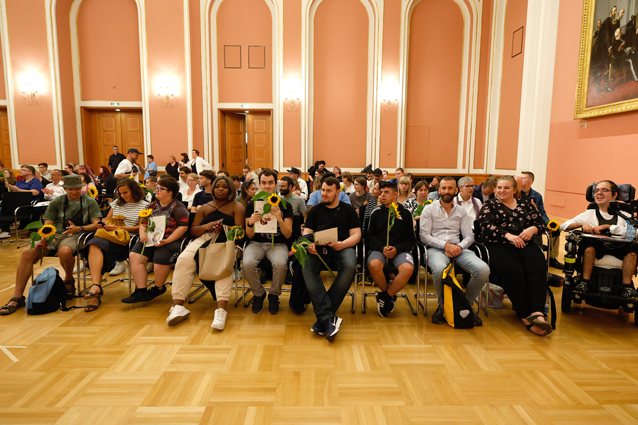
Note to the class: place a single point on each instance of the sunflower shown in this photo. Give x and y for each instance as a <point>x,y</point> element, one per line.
<point>92,192</point>
<point>146,213</point>
<point>553,226</point>
<point>239,233</point>
<point>395,207</point>
<point>47,231</point>
<point>293,249</point>
<point>274,200</point>
<point>131,176</point>
<point>143,186</point>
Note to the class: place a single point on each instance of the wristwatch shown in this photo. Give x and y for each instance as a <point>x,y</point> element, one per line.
<point>250,225</point>
<point>82,228</point>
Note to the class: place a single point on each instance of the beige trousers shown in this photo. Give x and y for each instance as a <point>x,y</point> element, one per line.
<point>186,268</point>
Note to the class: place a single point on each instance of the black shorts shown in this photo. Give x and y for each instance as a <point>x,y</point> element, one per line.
<point>615,249</point>
<point>164,255</point>
<point>112,252</point>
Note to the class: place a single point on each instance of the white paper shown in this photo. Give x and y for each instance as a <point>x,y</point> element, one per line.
<point>324,237</point>
<point>268,223</point>
<point>158,233</point>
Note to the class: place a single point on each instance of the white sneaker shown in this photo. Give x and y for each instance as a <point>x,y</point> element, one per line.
<point>79,268</point>
<point>149,267</point>
<point>220,319</point>
<point>119,268</point>
<point>237,275</point>
<point>5,235</point>
<point>177,314</point>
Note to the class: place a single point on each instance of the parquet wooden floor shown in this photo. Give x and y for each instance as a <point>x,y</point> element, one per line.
<point>123,364</point>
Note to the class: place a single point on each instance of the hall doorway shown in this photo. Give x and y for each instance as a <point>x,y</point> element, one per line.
<point>245,138</point>
<point>104,128</point>
<point>5,142</point>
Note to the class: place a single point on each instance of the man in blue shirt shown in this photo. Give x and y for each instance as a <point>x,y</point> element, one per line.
<point>315,197</point>
<point>29,184</point>
<point>151,167</point>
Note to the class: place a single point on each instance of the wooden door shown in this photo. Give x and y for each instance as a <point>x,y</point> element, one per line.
<point>235,149</point>
<point>259,140</point>
<point>109,134</point>
<point>5,143</point>
<point>132,134</point>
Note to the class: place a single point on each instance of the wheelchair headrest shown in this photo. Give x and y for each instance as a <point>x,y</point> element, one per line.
<point>626,192</point>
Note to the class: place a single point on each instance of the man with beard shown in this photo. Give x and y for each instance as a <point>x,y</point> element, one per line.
<point>442,224</point>
<point>331,213</point>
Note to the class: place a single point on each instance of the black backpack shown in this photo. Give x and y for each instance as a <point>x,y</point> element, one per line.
<point>299,296</point>
<point>47,294</point>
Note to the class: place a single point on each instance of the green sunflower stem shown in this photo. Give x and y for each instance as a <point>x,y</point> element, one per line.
<point>324,263</point>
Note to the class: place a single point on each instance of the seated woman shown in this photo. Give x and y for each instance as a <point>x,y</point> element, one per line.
<point>507,226</point>
<point>104,174</point>
<point>102,254</point>
<point>88,183</point>
<point>248,190</point>
<point>360,197</point>
<point>162,252</point>
<point>209,220</point>
<point>404,190</point>
<point>190,190</point>
<point>411,204</point>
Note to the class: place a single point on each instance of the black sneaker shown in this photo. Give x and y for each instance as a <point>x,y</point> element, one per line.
<point>393,303</point>
<point>273,304</point>
<point>258,304</point>
<point>155,292</point>
<point>382,302</point>
<point>582,287</point>
<point>332,327</point>
<point>139,296</point>
<point>629,293</point>
<point>318,328</point>
<point>556,264</point>
<point>476,319</point>
<point>437,317</point>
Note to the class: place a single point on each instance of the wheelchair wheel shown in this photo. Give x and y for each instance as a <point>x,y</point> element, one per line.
<point>566,299</point>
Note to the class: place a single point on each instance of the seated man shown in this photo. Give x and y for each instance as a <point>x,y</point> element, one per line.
<point>442,224</point>
<point>398,248</point>
<point>485,191</point>
<point>29,184</point>
<point>206,179</point>
<point>331,213</point>
<point>294,174</point>
<point>316,196</point>
<point>55,188</point>
<point>260,247</point>
<point>70,214</point>
<point>596,221</point>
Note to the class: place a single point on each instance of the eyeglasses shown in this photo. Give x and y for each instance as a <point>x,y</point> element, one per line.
<point>160,188</point>
<point>604,190</point>
<point>469,185</point>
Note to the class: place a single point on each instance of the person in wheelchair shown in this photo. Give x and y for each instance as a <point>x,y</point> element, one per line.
<point>507,226</point>
<point>210,219</point>
<point>599,221</point>
<point>397,247</point>
<point>331,213</point>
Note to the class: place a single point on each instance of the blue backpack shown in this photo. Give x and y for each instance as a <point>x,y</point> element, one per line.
<point>47,294</point>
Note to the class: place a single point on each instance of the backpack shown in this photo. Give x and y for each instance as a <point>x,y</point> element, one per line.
<point>456,309</point>
<point>47,294</point>
<point>299,296</point>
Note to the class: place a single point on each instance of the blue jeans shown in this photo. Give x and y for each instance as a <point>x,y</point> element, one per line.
<point>326,303</point>
<point>468,261</point>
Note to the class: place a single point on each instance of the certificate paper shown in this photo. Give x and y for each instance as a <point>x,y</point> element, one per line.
<point>268,223</point>
<point>324,237</point>
<point>158,233</point>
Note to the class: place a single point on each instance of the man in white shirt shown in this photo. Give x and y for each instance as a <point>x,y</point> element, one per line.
<point>126,167</point>
<point>465,199</point>
<point>198,164</point>
<point>54,189</point>
<point>442,225</point>
<point>598,221</point>
<point>294,174</point>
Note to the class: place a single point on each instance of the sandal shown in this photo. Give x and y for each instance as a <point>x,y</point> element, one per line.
<point>92,307</point>
<point>96,294</point>
<point>70,287</point>
<point>533,319</point>
<point>10,309</point>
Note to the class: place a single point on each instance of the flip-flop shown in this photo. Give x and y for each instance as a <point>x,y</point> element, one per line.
<point>533,319</point>
<point>529,328</point>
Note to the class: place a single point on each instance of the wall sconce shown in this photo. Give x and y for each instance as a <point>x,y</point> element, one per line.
<point>30,86</point>
<point>165,91</point>
<point>292,90</point>
<point>390,96</point>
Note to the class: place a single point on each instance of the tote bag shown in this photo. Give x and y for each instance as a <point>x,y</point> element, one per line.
<point>217,260</point>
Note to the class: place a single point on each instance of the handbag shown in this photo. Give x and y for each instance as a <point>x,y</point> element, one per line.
<point>217,260</point>
<point>117,236</point>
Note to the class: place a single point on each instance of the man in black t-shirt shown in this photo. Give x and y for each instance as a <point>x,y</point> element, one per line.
<point>115,159</point>
<point>260,247</point>
<point>331,213</point>
<point>205,195</point>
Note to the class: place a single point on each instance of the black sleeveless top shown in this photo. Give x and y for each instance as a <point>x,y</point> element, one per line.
<point>218,215</point>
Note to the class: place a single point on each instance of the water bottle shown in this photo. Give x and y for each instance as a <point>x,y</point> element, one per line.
<point>547,304</point>
<point>631,230</point>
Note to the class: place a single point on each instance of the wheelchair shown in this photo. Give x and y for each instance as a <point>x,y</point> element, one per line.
<point>606,278</point>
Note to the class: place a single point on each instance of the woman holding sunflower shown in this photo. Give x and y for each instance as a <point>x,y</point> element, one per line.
<point>223,210</point>
<point>103,254</point>
<point>88,187</point>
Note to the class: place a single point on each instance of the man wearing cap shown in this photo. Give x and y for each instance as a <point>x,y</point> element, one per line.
<point>377,175</point>
<point>71,214</point>
<point>294,174</point>
<point>127,167</point>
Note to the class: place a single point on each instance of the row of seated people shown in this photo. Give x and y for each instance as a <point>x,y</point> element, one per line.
<point>506,226</point>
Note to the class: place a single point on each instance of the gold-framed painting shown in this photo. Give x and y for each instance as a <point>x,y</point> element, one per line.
<point>608,61</point>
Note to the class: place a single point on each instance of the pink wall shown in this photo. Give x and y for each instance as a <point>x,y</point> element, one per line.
<point>340,82</point>
<point>483,85</point>
<point>244,23</point>
<point>292,71</point>
<point>605,149</point>
<point>196,76</point>
<point>63,10</point>
<point>29,54</point>
<point>108,35</point>
<point>434,85</point>
<point>165,47</point>
<point>3,91</point>
<point>391,47</point>
<point>511,86</point>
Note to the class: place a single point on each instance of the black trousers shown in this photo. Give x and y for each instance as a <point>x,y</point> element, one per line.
<point>522,273</point>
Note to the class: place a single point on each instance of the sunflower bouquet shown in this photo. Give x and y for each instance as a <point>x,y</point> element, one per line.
<point>393,214</point>
<point>145,221</point>
<point>300,251</point>
<point>235,233</point>
<point>43,237</point>
<point>272,200</point>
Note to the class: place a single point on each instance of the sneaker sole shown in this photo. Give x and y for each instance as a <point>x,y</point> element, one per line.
<point>331,337</point>
<point>317,332</point>
<point>217,327</point>
<point>177,319</point>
